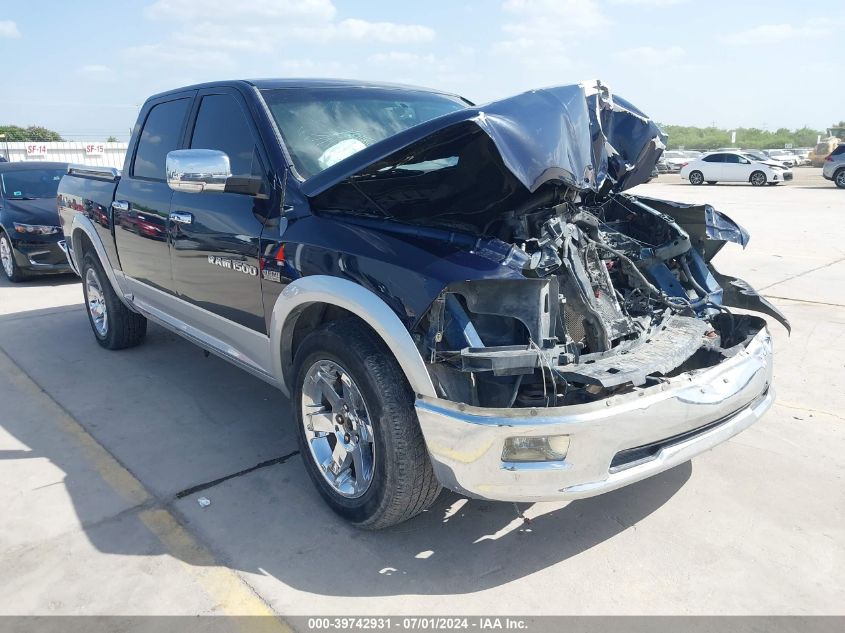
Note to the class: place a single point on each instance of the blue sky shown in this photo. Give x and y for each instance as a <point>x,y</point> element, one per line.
<point>85,67</point>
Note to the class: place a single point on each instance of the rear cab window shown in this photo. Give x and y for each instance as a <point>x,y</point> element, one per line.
<point>162,133</point>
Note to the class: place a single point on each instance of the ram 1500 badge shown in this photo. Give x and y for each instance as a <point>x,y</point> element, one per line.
<point>452,295</point>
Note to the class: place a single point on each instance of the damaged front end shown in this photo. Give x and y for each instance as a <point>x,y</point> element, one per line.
<point>616,295</point>
<point>584,339</point>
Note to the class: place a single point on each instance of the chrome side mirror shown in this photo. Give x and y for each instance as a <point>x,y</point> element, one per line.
<point>197,170</point>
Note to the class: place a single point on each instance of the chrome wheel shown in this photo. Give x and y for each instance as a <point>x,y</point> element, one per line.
<point>696,178</point>
<point>758,178</point>
<point>840,178</point>
<point>338,428</point>
<point>6,257</point>
<point>96,302</point>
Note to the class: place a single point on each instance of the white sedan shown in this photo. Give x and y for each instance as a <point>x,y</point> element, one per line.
<point>734,167</point>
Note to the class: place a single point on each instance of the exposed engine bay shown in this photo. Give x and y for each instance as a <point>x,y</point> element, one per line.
<point>616,295</point>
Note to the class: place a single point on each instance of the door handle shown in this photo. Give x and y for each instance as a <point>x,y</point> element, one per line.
<point>181,217</point>
<point>120,205</point>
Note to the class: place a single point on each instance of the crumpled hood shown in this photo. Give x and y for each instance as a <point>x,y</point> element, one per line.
<point>485,160</point>
<point>41,211</point>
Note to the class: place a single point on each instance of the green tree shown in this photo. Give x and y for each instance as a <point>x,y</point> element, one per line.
<point>111,139</point>
<point>31,133</point>
<point>692,137</point>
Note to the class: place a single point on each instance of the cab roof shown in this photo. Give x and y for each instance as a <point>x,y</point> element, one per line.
<point>301,82</point>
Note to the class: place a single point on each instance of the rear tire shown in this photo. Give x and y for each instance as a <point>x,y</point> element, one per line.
<point>839,178</point>
<point>359,401</point>
<point>10,267</point>
<point>696,177</point>
<point>114,325</point>
<point>757,178</point>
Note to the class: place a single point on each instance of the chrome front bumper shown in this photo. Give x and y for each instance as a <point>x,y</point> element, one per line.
<point>681,418</point>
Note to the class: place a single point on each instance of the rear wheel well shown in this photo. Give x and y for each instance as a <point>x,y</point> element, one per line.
<point>82,244</point>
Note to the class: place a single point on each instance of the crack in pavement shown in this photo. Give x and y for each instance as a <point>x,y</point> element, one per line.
<point>820,303</point>
<point>800,407</point>
<point>210,484</point>
<point>806,272</point>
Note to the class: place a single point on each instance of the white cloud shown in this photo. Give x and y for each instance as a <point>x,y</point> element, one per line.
<point>401,57</point>
<point>263,25</point>
<point>540,29</point>
<point>653,3</point>
<point>775,33</point>
<point>651,56</point>
<point>388,32</point>
<point>164,56</point>
<point>95,71</point>
<point>306,67</point>
<point>9,29</point>
<point>542,38</point>
<point>245,10</point>
<point>536,17</point>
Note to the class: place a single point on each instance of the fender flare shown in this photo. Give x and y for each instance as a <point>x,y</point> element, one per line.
<point>82,224</point>
<point>356,299</point>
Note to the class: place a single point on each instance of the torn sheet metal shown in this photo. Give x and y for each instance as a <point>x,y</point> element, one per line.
<point>739,294</point>
<point>708,228</point>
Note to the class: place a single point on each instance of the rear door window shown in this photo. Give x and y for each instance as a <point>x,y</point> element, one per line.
<point>713,158</point>
<point>162,133</point>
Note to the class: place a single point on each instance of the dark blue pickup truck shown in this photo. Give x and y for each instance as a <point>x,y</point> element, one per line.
<point>452,295</point>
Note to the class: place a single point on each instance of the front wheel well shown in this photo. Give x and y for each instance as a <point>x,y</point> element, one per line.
<point>309,317</point>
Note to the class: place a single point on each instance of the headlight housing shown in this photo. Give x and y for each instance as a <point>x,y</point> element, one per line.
<point>35,229</point>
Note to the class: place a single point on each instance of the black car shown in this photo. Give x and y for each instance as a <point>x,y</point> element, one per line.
<point>29,222</point>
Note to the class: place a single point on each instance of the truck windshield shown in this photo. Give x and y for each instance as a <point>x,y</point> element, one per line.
<point>29,184</point>
<point>322,126</point>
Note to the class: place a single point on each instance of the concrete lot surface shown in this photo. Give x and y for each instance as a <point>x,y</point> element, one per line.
<point>96,447</point>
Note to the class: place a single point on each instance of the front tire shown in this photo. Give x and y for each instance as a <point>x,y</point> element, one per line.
<point>758,179</point>
<point>358,431</point>
<point>711,182</point>
<point>839,178</point>
<point>115,326</point>
<point>10,267</point>
<point>696,178</point>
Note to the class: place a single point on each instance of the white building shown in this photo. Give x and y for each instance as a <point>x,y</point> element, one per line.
<point>81,152</point>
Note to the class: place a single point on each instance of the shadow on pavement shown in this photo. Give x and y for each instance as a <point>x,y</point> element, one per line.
<point>38,281</point>
<point>271,521</point>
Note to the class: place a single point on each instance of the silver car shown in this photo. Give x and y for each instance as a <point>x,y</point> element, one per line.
<point>834,166</point>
